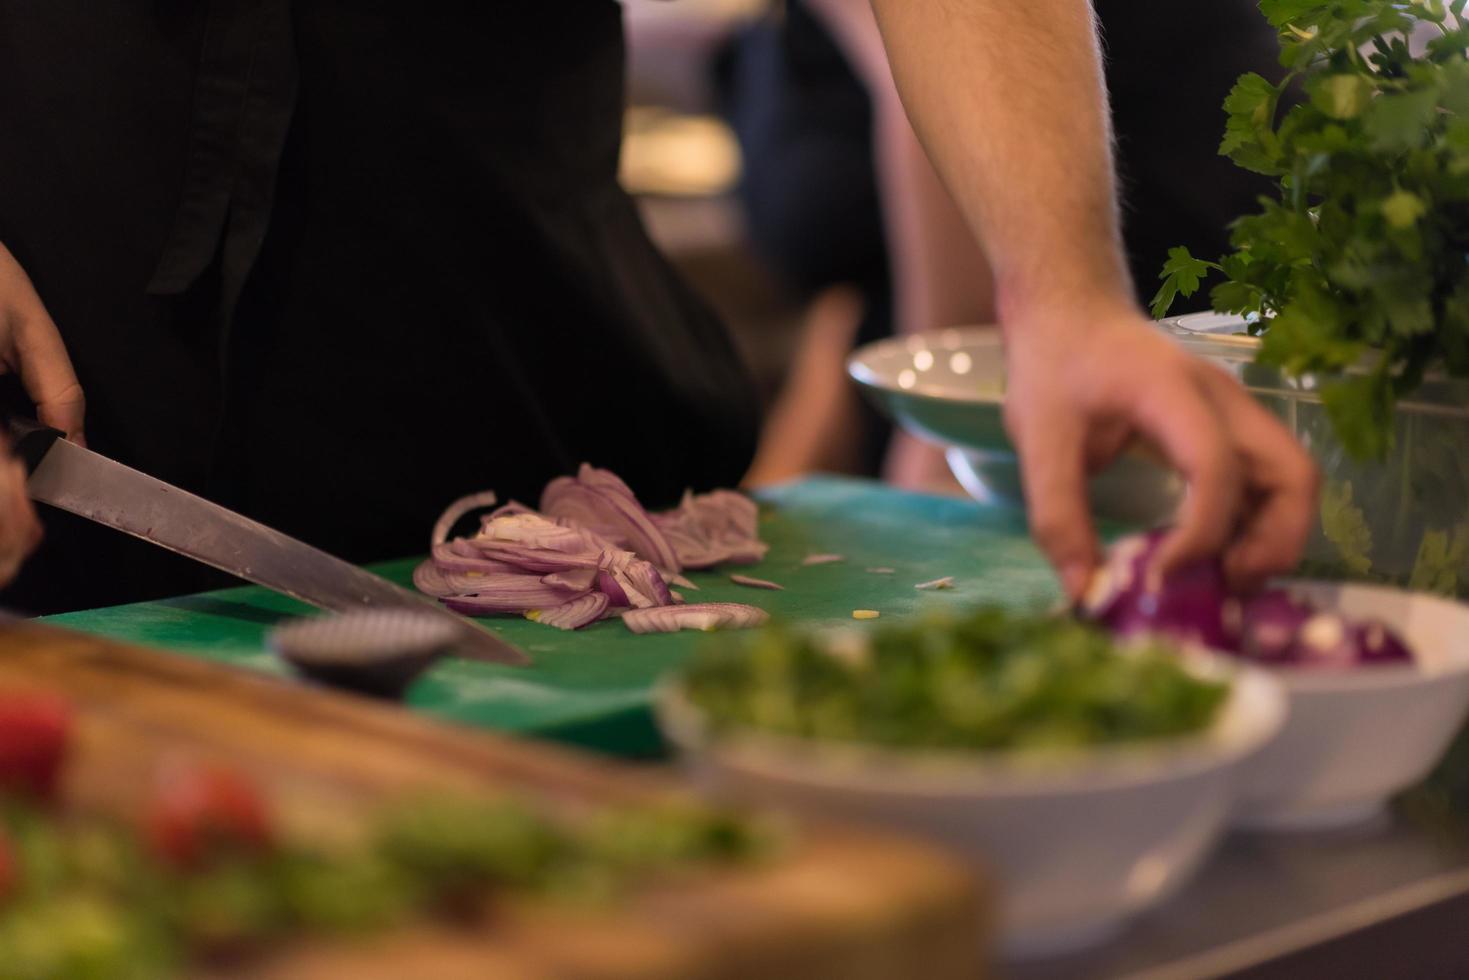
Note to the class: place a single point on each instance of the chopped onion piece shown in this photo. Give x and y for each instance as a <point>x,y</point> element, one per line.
<point>600,502</point>
<point>456,510</point>
<point>683,583</point>
<point>756,583</point>
<point>947,582</point>
<point>822,559</point>
<point>881,571</point>
<point>698,616</point>
<point>575,614</point>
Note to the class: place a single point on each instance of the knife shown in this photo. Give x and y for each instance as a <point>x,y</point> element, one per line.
<point>90,485</point>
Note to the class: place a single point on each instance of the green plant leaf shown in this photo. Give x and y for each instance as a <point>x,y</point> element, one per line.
<point>1181,276</point>
<point>1345,526</point>
<point>1441,557</point>
<point>1400,122</point>
<point>1402,209</point>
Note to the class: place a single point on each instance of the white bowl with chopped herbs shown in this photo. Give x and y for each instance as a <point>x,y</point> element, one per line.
<point>1091,779</point>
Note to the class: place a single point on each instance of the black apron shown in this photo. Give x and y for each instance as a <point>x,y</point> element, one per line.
<point>335,263</point>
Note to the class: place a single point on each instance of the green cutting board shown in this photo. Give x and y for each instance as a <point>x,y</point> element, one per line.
<point>592,687</point>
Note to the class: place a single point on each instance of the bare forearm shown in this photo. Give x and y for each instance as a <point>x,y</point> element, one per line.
<point>1009,101</point>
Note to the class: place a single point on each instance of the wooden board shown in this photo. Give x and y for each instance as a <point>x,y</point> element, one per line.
<point>844,904</point>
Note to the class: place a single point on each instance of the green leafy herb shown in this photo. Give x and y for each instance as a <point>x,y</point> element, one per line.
<point>1360,256</point>
<point>991,680</point>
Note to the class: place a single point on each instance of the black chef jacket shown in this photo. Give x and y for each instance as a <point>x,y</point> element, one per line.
<point>336,262</point>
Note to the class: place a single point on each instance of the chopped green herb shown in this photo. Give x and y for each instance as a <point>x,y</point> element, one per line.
<point>989,680</point>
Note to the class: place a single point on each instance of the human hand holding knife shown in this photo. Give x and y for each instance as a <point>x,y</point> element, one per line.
<point>90,485</point>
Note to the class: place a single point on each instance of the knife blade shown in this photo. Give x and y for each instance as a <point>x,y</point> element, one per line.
<point>99,489</point>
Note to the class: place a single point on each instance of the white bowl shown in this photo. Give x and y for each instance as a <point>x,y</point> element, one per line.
<point>1356,737</point>
<point>1078,845</point>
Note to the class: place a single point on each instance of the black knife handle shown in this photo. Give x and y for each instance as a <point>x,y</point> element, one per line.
<point>29,439</point>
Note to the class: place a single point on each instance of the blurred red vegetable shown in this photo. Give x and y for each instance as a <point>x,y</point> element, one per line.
<point>34,729</point>
<point>201,812</point>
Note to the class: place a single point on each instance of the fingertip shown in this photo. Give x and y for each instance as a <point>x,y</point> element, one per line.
<point>1076,577</point>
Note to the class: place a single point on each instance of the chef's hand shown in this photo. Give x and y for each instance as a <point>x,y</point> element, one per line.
<point>1084,383</point>
<point>30,347</point>
<point>20,530</point>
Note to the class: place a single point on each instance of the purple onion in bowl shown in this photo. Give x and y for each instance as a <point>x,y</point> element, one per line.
<point>1269,624</point>
<point>1194,606</point>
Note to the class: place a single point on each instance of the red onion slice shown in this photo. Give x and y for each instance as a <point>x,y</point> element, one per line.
<point>820,559</point>
<point>510,593</point>
<point>575,579</point>
<point>712,528</point>
<point>641,583</point>
<point>575,614</point>
<point>947,582</point>
<point>456,510</point>
<point>429,580</point>
<point>451,559</point>
<point>608,585</point>
<point>756,583</point>
<point>599,501</point>
<point>707,616</point>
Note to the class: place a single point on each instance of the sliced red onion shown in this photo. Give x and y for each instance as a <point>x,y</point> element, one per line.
<point>756,583</point>
<point>510,593</point>
<point>576,579</point>
<point>429,580</point>
<point>947,582</point>
<point>1193,605</point>
<point>707,616</point>
<point>822,559</point>
<point>641,584</point>
<point>545,561</point>
<point>1189,605</point>
<point>600,502</point>
<point>677,596</point>
<point>881,571</point>
<point>683,583</point>
<point>1269,624</point>
<point>457,557</point>
<point>713,528</point>
<point>608,585</point>
<point>575,614</point>
<point>456,510</point>
<point>1122,577</point>
<point>1377,644</point>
